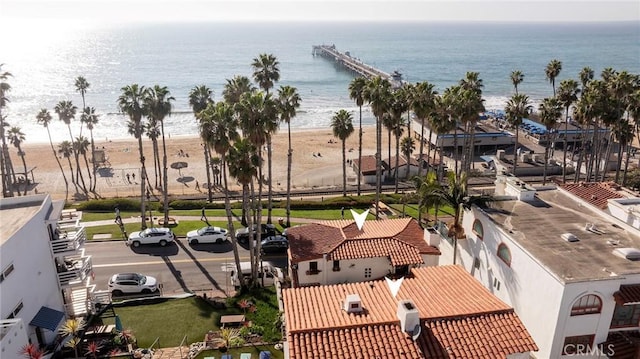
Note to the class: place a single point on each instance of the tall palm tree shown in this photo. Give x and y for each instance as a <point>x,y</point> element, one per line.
<point>5,159</point>
<point>90,118</point>
<point>44,118</point>
<point>552,71</point>
<point>81,86</point>
<point>398,106</point>
<point>65,149</point>
<point>441,123</point>
<point>425,188</point>
<point>288,103</point>
<point>407,146</point>
<point>586,75</point>
<point>199,98</point>
<point>423,105</point>
<point>377,93</point>
<point>356,93</point>
<point>471,105</point>
<point>131,102</point>
<point>266,72</point>
<point>219,129</point>
<point>452,107</point>
<point>235,88</point>
<point>82,147</point>
<point>16,137</point>
<point>518,107</point>
<point>567,95</point>
<point>157,105</point>
<point>516,79</point>
<point>634,112</point>
<point>550,111</point>
<point>342,126</point>
<point>152,130</point>
<point>66,112</point>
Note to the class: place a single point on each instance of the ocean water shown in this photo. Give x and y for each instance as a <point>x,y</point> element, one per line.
<point>45,62</point>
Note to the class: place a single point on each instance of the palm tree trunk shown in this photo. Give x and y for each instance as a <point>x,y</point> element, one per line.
<point>378,164</point>
<point>289,160</point>
<point>259,219</point>
<point>455,149</point>
<point>421,151</point>
<point>397,174</point>
<point>157,167</point>
<point>86,164</point>
<point>93,161</point>
<point>344,168</point>
<point>607,155</point>
<point>143,173</point>
<point>165,177</point>
<point>207,166</point>
<point>582,154</point>
<point>515,153</point>
<point>389,146</point>
<point>66,182</point>
<point>76,156</point>
<point>71,170</point>
<point>359,156</point>
<point>546,160</point>
<point>619,163</point>
<point>247,207</point>
<point>227,207</point>
<point>564,146</point>
<point>626,164</point>
<point>472,148</point>
<point>270,184</point>
<point>26,176</point>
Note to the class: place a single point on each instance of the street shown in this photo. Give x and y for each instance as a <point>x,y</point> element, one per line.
<point>179,267</point>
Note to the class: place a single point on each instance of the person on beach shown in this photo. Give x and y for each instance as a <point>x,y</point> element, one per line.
<point>197,186</point>
<point>128,178</point>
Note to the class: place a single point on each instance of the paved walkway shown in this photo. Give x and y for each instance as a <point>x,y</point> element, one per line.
<point>107,222</point>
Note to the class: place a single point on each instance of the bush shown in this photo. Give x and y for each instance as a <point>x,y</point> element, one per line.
<point>181,204</point>
<point>108,205</point>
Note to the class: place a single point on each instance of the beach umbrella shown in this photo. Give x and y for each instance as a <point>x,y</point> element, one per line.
<point>178,166</point>
<point>118,323</point>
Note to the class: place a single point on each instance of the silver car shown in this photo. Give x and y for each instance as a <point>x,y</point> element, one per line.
<point>128,283</point>
<point>207,235</point>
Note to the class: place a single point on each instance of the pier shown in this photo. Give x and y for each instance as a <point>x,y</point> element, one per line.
<point>354,65</point>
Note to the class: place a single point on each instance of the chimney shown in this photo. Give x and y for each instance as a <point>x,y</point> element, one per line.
<point>408,315</point>
<point>352,304</point>
<point>431,236</point>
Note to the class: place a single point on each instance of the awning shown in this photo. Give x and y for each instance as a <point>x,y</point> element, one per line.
<point>47,318</point>
<point>628,294</point>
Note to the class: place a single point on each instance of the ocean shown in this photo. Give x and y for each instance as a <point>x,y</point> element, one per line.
<point>45,63</point>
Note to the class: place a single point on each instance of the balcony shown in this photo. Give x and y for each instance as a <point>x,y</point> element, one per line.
<point>70,240</point>
<point>74,270</point>
<point>9,326</point>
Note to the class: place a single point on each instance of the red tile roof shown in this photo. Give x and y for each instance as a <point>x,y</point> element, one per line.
<point>457,312</point>
<point>627,294</point>
<point>403,238</point>
<point>402,161</point>
<point>368,165</point>
<point>595,193</point>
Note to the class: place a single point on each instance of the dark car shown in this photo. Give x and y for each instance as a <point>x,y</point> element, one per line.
<point>274,244</point>
<point>242,235</point>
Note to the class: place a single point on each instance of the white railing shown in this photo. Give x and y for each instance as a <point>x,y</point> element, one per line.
<point>77,271</point>
<point>7,326</point>
<point>69,241</point>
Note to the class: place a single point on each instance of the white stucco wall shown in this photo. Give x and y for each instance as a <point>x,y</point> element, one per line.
<point>352,270</point>
<point>34,280</point>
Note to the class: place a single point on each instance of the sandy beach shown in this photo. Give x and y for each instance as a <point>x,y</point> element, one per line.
<point>317,159</point>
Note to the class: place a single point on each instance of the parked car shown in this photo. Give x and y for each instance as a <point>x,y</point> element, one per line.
<point>265,269</point>
<point>242,234</point>
<point>156,235</point>
<point>207,235</point>
<point>274,244</point>
<point>129,283</point>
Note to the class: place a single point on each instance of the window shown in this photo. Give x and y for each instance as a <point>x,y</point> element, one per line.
<point>587,304</point>
<point>313,268</point>
<point>477,229</point>
<point>336,266</point>
<point>367,272</point>
<point>577,344</point>
<point>626,316</point>
<point>15,312</point>
<point>504,253</point>
<point>6,272</point>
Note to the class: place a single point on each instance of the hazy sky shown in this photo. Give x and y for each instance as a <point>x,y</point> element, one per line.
<point>97,11</point>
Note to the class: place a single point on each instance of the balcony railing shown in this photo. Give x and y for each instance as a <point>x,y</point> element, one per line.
<point>70,240</point>
<point>8,326</point>
<point>75,270</point>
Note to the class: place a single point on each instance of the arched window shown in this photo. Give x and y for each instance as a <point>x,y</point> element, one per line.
<point>477,229</point>
<point>504,253</point>
<point>587,304</point>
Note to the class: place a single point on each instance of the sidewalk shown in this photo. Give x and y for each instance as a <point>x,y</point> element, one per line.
<point>107,222</point>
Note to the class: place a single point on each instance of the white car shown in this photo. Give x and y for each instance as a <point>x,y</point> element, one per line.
<point>128,283</point>
<point>157,235</point>
<point>207,235</point>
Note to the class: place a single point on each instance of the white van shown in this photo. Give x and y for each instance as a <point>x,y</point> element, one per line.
<point>267,269</point>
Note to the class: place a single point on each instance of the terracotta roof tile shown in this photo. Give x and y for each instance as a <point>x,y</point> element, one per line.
<point>627,294</point>
<point>402,161</point>
<point>398,252</point>
<point>368,165</point>
<point>595,193</point>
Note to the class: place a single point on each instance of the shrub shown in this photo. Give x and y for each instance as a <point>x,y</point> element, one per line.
<point>108,205</point>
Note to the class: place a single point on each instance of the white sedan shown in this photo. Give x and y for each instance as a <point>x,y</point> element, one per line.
<point>128,283</point>
<point>207,235</point>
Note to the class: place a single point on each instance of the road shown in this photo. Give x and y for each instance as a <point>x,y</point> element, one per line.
<point>179,267</point>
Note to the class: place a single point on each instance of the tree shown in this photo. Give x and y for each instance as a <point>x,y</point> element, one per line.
<point>550,110</point>
<point>516,79</point>
<point>157,106</point>
<point>66,112</point>
<point>72,327</point>
<point>152,130</point>
<point>552,71</point>
<point>65,149</point>
<point>377,93</point>
<point>423,105</point>
<point>266,73</point>
<point>16,137</point>
<point>425,188</point>
<point>397,107</point>
<point>356,93</point>
<point>82,146</point>
<point>288,102</point>
<point>44,118</point>
<point>90,118</point>
<point>517,108</point>
<point>407,146</point>
<point>81,86</point>
<point>199,98</point>
<point>5,160</point>
<point>130,102</point>
<point>342,127</point>
<point>441,123</point>
<point>567,95</point>
<point>235,88</point>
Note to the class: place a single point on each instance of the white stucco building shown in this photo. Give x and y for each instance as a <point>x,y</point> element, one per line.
<point>564,259</point>
<point>45,275</point>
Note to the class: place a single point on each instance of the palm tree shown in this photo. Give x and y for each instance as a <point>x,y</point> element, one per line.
<point>423,105</point>
<point>441,123</point>
<point>5,159</point>
<point>586,75</point>
<point>552,71</point>
<point>81,86</point>
<point>44,117</point>
<point>130,102</point>
<point>567,95</point>
<point>152,130</point>
<point>342,126</point>
<point>73,327</point>
<point>516,79</point>
<point>65,149</point>
<point>407,146</point>
<point>66,112</point>
<point>356,93</point>
<point>81,148</point>
<point>634,112</point>
<point>266,73</point>
<point>16,137</point>
<point>288,103</point>
<point>517,108</point>
<point>377,93</point>
<point>425,187</point>
<point>219,129</point>
<point>455,194</point>
<point>452,107</point>
<point>157,105</point>
<point>235,88</point>
<point>90,118</point>
<point>199,98</point>
<point>550,110</point>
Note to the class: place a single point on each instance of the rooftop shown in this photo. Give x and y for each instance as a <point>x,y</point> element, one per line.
<point>538,226</point>
<point>15,213</point>
<point>450,302</point>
